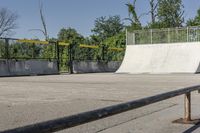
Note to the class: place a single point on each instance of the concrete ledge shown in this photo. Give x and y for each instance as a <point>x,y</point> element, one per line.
<point>27,67</point>
<point>95,67</point>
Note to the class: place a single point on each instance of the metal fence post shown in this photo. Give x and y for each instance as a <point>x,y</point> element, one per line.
<point>7,56</point>
<point>169,35</point>
<point>187,34</point>
<point>126,37</point>
<point>151,36</point>
<point>187,107</point>
<point>33,51</point>
<point>103,52</point>
<point>57,54</point>
<point>71,58</point>
<point>134,41</point>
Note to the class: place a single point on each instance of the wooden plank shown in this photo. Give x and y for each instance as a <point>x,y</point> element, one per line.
<point>82,118</point>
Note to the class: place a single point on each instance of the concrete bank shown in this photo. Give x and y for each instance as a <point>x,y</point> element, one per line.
<point>27,67</point>
<point>95,67</point>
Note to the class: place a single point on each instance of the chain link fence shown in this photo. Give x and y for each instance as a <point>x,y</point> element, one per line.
<point>2,49</point>
<point>36,50</point>
<point>63,53</point>
<point>167,35</point>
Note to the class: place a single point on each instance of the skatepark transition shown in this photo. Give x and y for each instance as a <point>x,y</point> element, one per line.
<point>162,51</point>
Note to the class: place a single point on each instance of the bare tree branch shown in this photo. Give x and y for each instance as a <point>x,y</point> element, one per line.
<point>134,3</point>
<point>144,14</point>
<point>44,30</point>
<point>132,13</point>
<point>43,20</point>
<point>38,30</point>
<point>7,21</point>
<point>153,6</point>
<point>129,19</point>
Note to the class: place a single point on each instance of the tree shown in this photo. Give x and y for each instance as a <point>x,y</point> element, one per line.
<point>195,21</point>
<point>107,27</point>
<point>44,30</point>
<point>154,24</point>
<point>94,39</point>
<point>133,17</point>
<point>153,10</point>
<point>7,22</point>
<point>70,35</point>
<point>43,21</point>
<point>118,40</point>
<point>170,13</point>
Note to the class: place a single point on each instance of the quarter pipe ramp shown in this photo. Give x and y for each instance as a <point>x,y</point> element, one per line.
<point>162,58</point>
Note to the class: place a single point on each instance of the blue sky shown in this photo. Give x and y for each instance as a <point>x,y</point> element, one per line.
<point>78,14</point>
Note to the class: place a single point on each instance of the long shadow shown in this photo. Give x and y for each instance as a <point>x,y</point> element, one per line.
<point>190,130</point>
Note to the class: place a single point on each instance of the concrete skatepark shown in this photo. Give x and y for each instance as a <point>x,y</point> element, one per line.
<point>152,59</point>
<point>27,100</point>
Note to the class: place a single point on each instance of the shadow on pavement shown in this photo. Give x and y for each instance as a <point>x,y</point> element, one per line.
<point>193,128</point>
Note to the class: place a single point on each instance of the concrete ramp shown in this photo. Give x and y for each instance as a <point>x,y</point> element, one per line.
<point>161,58</point>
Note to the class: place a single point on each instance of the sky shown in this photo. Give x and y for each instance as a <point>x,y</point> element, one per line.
<point>78,14</point>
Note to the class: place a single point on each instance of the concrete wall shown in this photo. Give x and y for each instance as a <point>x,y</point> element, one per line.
<point>162,58</point>
<point>27,67</point>
<point>95,67</point>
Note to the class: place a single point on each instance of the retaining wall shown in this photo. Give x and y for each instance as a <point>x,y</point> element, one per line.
<point>95,67</point>
<point>27,67</point>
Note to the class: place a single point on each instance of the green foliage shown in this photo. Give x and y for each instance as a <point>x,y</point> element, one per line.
<point>133,27</point>
<point>107,33</point>
<point>48,51</point>
<point>2,49</point>
<point>21,50</point>
<point>117,41</point>
<point>31,51</point>
<point>166,35</point>
<point>107,27</point>
<point>94,39</point>
<point>70,35</point>
<point>155,25</point>
<point>133,16</point>
<point>170,13</point>
<point>195,21</point>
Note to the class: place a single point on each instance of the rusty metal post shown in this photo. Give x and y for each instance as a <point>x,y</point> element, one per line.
<point>57,54</point>
<point>187,107</point>
<point>187,111</point>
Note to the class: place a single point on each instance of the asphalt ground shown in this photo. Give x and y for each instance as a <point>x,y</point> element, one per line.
<point>32,99</point>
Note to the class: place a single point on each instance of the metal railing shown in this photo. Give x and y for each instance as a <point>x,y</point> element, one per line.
<point>82,118</point>
<point>165,35</point>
